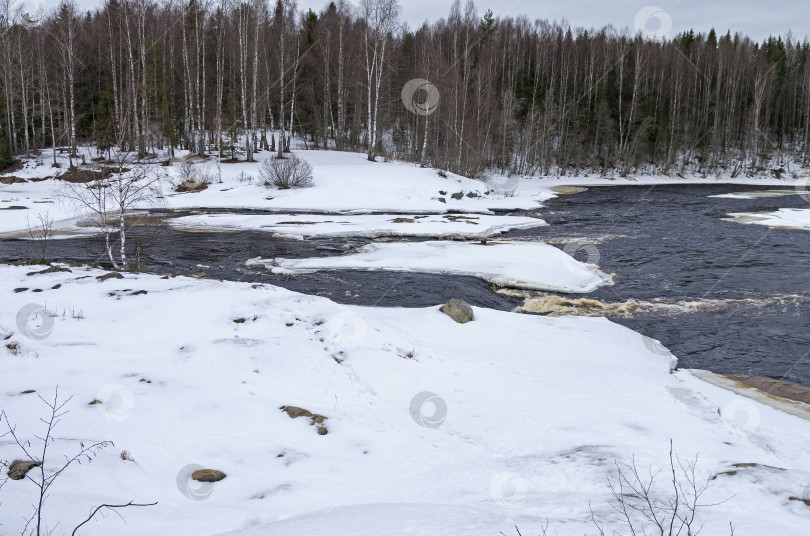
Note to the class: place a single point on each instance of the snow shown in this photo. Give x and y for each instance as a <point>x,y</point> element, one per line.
<point>758,194</point>
<point>791,218</point>
<point>434,428</point>
<point>369,225</point>
<point>537,410</point>
<point>345,183</point>
<point>525,265</point>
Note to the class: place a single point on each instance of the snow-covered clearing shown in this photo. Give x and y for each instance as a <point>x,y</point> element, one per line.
<point>433,427</point>
<point>787,218</point>
<point>369,225</point>
<point>525,265</point>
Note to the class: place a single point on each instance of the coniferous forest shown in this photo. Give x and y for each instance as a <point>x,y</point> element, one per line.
<point>519,96</point>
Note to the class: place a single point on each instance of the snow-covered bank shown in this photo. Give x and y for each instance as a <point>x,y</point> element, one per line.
<point>345,183</point>
<point>786,218</point>
<point>524,265</point>
<point>532,412</point>
<point>470,227</point>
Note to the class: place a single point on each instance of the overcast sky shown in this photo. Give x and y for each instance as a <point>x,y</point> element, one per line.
<point>755,18</point>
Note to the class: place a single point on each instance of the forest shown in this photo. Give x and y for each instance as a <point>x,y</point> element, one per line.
<point>229,78</point>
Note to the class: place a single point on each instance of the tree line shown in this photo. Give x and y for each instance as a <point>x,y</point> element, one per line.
<point>233,77</point>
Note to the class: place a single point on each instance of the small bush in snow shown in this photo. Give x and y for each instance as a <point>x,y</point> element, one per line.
<point>244,178</point>
<point>191,172</point>
<point>284,173</point>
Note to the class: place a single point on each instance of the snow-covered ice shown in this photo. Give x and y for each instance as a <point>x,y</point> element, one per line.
<point>792,218</point>
<point>473,226</point>
<point>532,412</point>
<point>525,265</point>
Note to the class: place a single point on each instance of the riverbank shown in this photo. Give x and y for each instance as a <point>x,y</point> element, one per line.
<point>344,183</point>
<point>426,419</point>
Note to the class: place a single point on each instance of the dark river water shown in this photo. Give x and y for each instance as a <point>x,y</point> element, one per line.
<point>722,296</point>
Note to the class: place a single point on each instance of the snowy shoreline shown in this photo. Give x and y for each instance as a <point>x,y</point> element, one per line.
<point>193,371</point>
<point>345,183</point>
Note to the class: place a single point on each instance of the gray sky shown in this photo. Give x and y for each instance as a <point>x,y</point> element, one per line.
<point>755,18</point>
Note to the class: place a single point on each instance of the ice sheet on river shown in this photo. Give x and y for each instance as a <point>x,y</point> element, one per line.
<point>787,218</point>
<point>525,265</point>
<point>368,225</point>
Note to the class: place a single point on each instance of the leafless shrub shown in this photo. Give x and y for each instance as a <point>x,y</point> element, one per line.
<point>40,234</point>
<point>42,474</point>
<point>645,509</point>
<point>285,173</point>
<point>245,178</point>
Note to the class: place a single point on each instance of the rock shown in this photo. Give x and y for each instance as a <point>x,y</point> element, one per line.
<point>208,475</point>
<point>20,289</point>
<point>458,310</point>
<point>110,275</point>
<point>192,186</point>
<point>19,468</point>
<point>443,200</point>
<point>322,430</point>
<point>49,270</point>
<point>457,195</point>
<point>294,412</point>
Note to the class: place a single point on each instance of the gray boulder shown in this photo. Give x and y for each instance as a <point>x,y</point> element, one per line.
<point>458,310</point>
<point>19,468</point>
<point>208,475</point>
